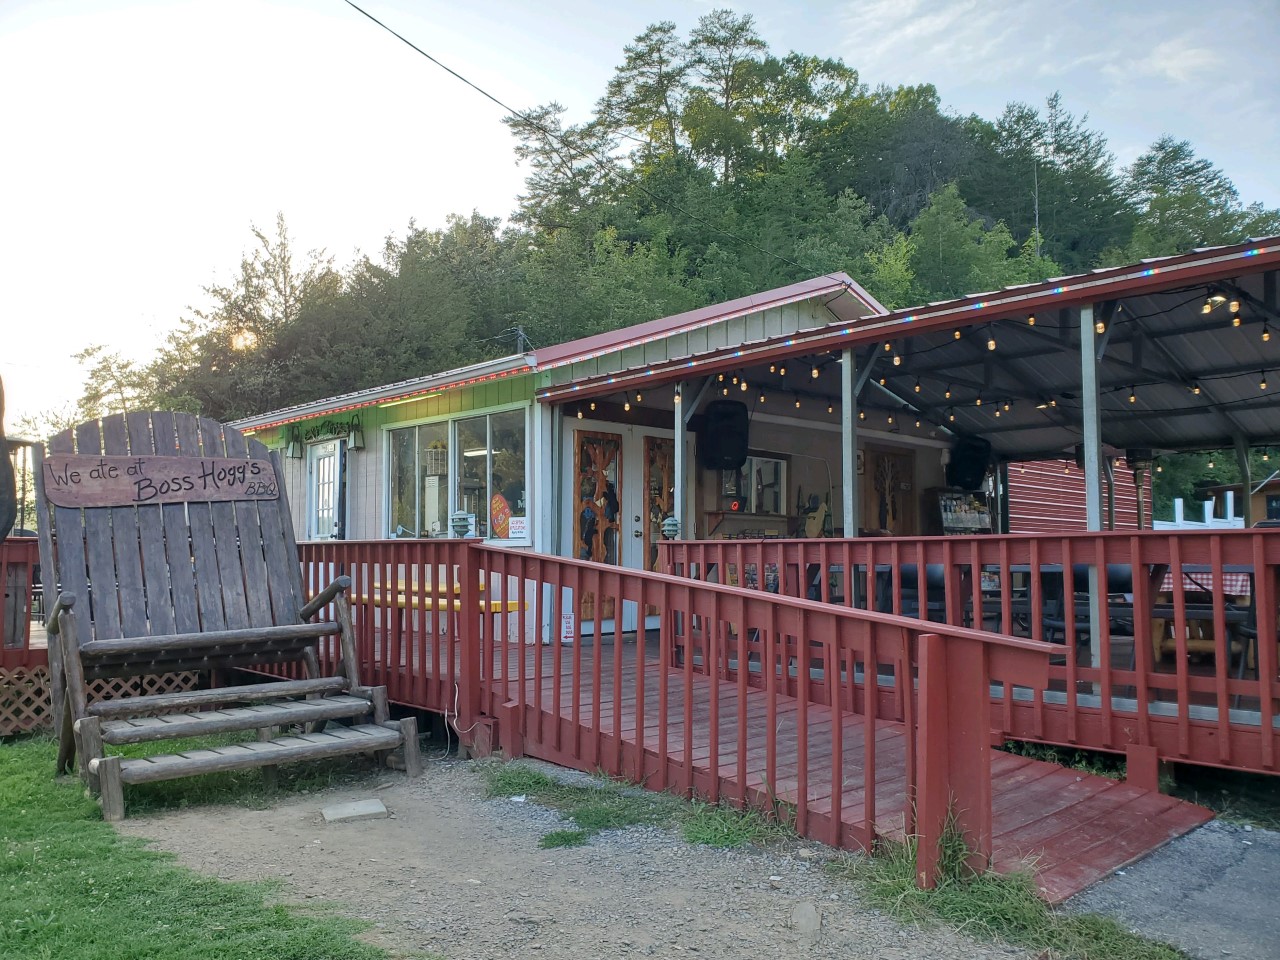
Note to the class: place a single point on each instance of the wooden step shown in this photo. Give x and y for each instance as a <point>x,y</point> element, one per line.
<point>333,742</point>
<point>255,717</point>
<point>248,693</point>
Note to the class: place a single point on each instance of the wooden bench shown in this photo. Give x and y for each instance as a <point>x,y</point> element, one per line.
<point>171,539</point>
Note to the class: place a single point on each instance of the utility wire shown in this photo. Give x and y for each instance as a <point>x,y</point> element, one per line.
<point>587,154</point>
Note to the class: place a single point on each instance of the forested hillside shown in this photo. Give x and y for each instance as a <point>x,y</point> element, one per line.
<point>711,168</point>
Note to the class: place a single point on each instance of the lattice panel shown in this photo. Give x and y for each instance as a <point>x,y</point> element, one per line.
<point>24,700</point>
<point>24,694</point>
<point>113,688</point>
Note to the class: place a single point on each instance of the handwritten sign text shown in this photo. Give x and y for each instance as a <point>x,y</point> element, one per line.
<point>84,480</point>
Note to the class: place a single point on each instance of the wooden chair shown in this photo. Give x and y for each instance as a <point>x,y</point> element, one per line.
<point>174,551</point>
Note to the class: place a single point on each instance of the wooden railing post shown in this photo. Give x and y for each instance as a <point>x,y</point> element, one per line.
<point>954,753</point>
<point>470,686</point>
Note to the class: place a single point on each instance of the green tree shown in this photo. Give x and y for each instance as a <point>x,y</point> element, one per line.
<point>647,93</point>
<point>724,54</point>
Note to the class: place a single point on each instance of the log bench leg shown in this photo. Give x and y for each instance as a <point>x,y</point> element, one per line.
<point>270,774</point>
<point>112,789</point>
<point>412,756</point>
<point>89,730</point>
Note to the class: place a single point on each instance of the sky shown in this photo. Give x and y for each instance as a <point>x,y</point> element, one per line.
<point>143,140</point>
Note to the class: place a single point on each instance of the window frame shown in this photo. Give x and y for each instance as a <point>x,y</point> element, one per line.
<point>455,456</point>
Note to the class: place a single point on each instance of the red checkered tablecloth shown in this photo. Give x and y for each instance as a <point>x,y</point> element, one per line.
<point>1202,581</point>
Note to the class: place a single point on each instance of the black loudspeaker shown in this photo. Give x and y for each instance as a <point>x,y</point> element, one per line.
<point>722,441</point>
<point>970,458</point>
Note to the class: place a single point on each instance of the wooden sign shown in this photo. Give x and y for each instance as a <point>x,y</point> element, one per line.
<point>80,480</point>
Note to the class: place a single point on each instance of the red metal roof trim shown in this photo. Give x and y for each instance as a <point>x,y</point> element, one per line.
<point>613,341</point>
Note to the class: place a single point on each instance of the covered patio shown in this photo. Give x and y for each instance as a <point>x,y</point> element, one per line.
<point>1165,656</point>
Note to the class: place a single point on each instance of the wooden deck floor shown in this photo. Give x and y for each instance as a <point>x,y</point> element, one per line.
<point>1071,827</point>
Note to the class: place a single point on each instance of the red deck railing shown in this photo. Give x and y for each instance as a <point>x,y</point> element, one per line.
<point>19,557</point>
<point>1162,653</point>
<point>645,676</point>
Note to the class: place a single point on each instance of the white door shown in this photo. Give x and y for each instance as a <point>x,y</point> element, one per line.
<point>323,483</point>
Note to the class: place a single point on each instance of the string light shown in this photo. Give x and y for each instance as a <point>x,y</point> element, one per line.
<point>891,419</point>
<point>991,340</point>
<point>639,399</point>
<point>951,417</point>
<point>1211,464</point>
<point>677,396</point>
<point>917,423</point>
<point>1031,320</point>
<point>956,334</point>
<point>882,381</point>
<point>721,378</point>
<point>815,372</point>
<point>1266,332</point>
<point>978,402</point>
<point>725,391</point>
<point>1234,305</point>
<point>997,411</point>
<point>887,346</point>
<point>797,403</point>
<point>1100,327</point>
<point>831,408</point>
<point>1006,406</point>
<point>579,413</point>
<point>917,384</point>
<point>947,395</point>
<point>1133,397</point>
<point>743,385</point>
<point>762,396</point>
<point>735,379</point>
<point>773,368</point>
<point>627,406</point>
<point>593,405</point>
<point>1159,468</point>
<point>782,370</point>
<point>897,360</point>
<point>1266,456</point>
<point>1195,388</point>
<point>1236,320</point>
<point>1262,379</point>
<point>862,414</point>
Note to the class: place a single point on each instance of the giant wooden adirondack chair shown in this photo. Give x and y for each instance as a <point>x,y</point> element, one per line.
<point>174,551</point>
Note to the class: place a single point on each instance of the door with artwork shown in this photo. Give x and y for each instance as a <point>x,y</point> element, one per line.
<point>597,507</point>
<point>889,495</point>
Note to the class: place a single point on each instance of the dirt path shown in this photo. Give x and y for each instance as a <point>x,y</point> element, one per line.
<point>454,873</point>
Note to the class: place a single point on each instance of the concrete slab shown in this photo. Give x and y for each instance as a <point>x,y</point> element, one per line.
<point>1212,893</point>
<point>354,810</point>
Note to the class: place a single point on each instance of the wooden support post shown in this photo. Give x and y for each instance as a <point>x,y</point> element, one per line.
<point>954,753</point>
<point>412,755</point>
<point>1142,766</point>
<point>469,614</point>
<point>89,734</point>
<point>108,770</point>
<point>271,773</point>
<point>347,638</point>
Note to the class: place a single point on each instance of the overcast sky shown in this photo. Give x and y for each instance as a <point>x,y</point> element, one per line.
<point>142,139</point>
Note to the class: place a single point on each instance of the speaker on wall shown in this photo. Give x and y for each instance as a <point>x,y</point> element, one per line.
<point>970,458</point>
<point>722,441</point>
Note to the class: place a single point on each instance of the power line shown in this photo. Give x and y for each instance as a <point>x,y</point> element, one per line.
<point>584,154</point>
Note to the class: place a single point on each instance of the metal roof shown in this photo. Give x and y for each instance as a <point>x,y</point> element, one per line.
<point>392,392</point>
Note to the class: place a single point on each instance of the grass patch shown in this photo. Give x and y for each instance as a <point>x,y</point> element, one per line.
<point>72,889</point>
<point>564,838</point>
<point>1100,764</point>
<point>720,826</point>
<point>610,805</point>
<point>993,906</point>
<point>1236,797</point>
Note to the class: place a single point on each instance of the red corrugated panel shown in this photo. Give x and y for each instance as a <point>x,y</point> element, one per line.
<point>1048,497</point>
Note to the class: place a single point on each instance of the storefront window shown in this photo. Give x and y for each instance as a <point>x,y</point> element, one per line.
<point>482,474</point>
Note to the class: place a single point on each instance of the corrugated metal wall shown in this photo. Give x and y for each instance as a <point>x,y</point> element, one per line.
<point>1048,497</point>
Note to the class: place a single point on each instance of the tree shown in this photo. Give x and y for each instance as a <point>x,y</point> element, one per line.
<point>113,384</point>
<point>1184,201</point>
<point>724,54</point>
<point>647,93</point>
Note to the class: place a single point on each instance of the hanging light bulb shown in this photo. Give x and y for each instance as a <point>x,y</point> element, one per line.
<point>831,408</point>
<point>917,423</point>
<point>951,417</point>
<point>627,406</point>
<point>887,346</point>
<point>725,391</point>
<point>1031,320</point>
<point>677,396</point>
<point>1100,327</point>
<point>1266,456</point>
<point>593,404</point>
<point>1066,468</point>
<point>1208,305</point>
<point>882,381</point>
<point>797,403</point>
<point>721,378</point>
<point>1195,388</point>
<point>773,368</point>
<point>1236,320</point>
<point>1262,379</point>
<point>1234,305</point>
<point>956,334</point>
<point>639,399</point>
<point>579,413</point>
<point>735,378</point>
<point>814,373</point>
<point>1210,464</point>
<point>997,411</point>
<point>891,419</point>
<point>762,396</point>
<point>897,359</point>
<point>782,371</point>
<point>1006,406</point>
<point>1266,332</point>
<point>991,340</point>
<point>743,385</point>
<point>917,385</point>
<point>978,402</point>
<point>948,393</point>
<point>1159,468</point>
<point>862,414</point>
<point>1133,397</point>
